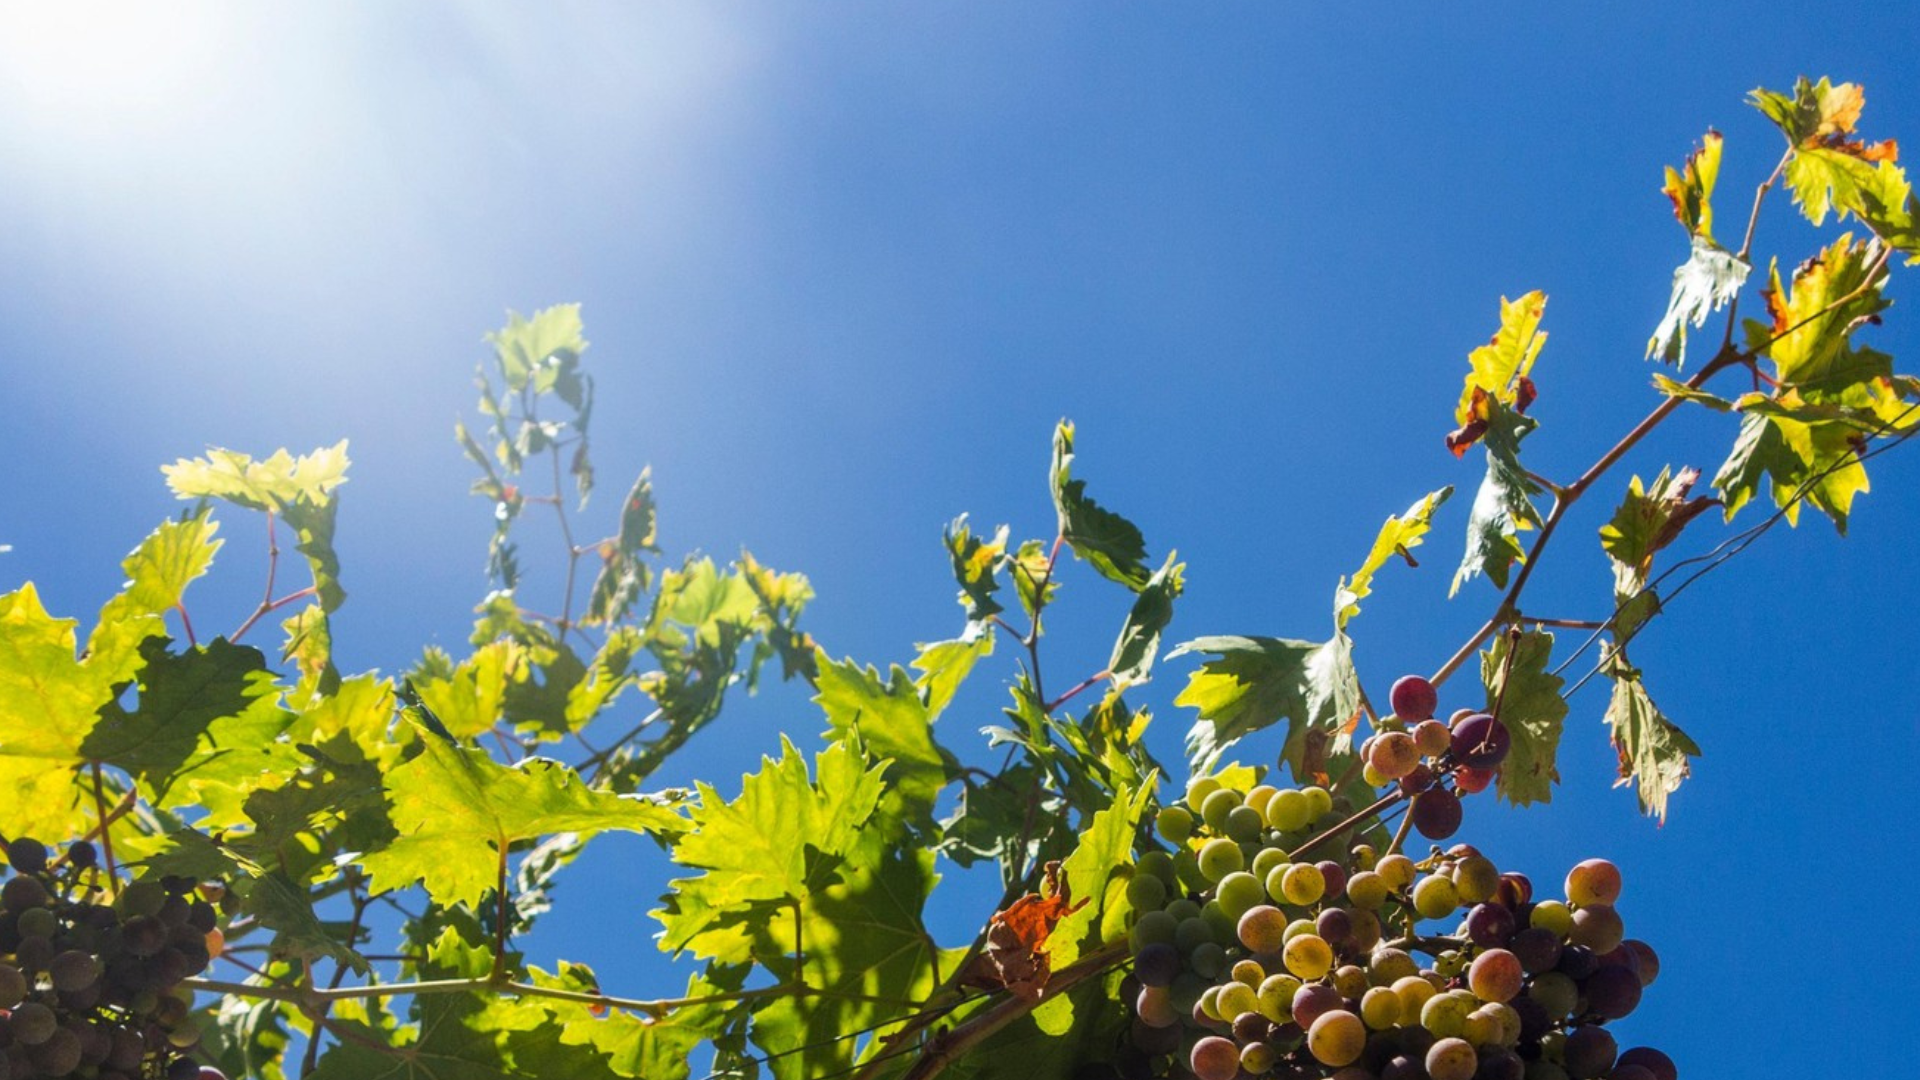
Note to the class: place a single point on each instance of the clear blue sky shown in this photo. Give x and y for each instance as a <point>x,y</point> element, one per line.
<point>844,266</point>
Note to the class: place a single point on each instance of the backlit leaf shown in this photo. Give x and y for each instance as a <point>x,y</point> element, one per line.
<point>1655,755</point>
<point>1399,536</point>
<point>1526,698</point>
<point>1708,281</point>
<point>944,665</point>
<point>624,574</point>
<point>1107,541</point>
<point>1253,682</point>
<point>1499,372</point>
<point>1503,507</point>
<point>889,719</point>
<point>975,560</point>
<point>1139,642</point>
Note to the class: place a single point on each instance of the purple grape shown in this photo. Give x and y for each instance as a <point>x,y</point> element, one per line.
<point>1335,925</point>
<point>1480,741</point>
<point>1655,1062</point>
<point>1577,962</point>
<point>1589,1052</point>
<point>1413,698</point>
<point>1538,949</point>
<point>1490,926</point>
<point>1436,813</point>
<point>1631,1072</point>
<point>1157,964</point>
<point>1613,991</point>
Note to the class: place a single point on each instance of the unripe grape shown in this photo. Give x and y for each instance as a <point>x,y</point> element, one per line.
<point>1393,754</point>
<point>37,922</point>
<point>1275,996</point>
<point>73,970</point>
<point>1432,738</point>
<point>1245,824</point>
<point>1413,698</point>
<point>1257,1058</point>
<point>1217,806</point>
<point>1445,1015</point>
<point>1146,893</point>
<point>1365,932</point>
<point>1556,993</point>
<point>1367,890</point>
<point>1308,956</point>
<point>1198,790</point>
<point>1236,998</point>
<point>1263,928</point>
<point>1380,1008</point>
<point>1435,897</point>
<point>22,894</point>
<point>1414,992</point>
<point>1175,823</point>
<point>1598,927</point>
<point>1337,1038</point>
<point>1477,879</point>
<point>1593,881</point>
<point>1452,1059</point>
<point>1289,810</point>
<point>1391,965</point>
<point>33,1023</point>
<point>1553,916</point>
<point>1149,928</point>
<point>1396,870</point>
<point>1238,893</point>
<point>1303,884</point>
<point>1220,857</point>
<point>1207,959</point>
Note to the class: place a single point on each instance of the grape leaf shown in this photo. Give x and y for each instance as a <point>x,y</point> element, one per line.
<point>1503,507</point>
<point>624,574</point>
<point>1647,520</point>
<point>1252,682</point>
<point>300,491</point>
<point>1816,463</point>
<point>158,573</point>
<point>1399,536</point>
<point>458,811</point>
<point>1139,643</point>
<point>1107,541</point>
<point>1093,873</point>
<point>1033,577</point>
<point>892,723</point>
<point>782,840</point>
<point>1708,281</point>
<point>974,561</point>
<point>1499,372</point>
<point>1675,388</point>
<point>1527,700</point>
<point>210,714</point>
<point>1655,755</point>
<point>944,665</point>
<point>472,697</point>
<point>48,705</point>
<point>649,1048</point>
<point>1691,189</point>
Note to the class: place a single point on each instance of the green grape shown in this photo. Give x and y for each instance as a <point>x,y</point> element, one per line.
<point>1364,857</point>
<point>1389,966</point>
<point>1198,790</point>
<point>1249,972</point>
<point>1245,824</point>
<point>1152,927</point>
<point>1337,1038</point>
<point>1186,867</point>
<point>1146,893</point>
<point>1175,823</point>
<point>1210,1003</point>
<point>1263,863</point>
<point>1239,893</point>
<point>1380,1008</point>
<point>1218,805</point>
<point>1220,857</point>
<point>1476,878</point>
<point>145,897</point>
<point>1552,915</point>
<point>1207,959</point>
<point>1308,956</point>
<point>1445,1015</point>
<point>1159,864</point>
<point>1186,991</point>
<point>1298,927</point>
<point>1191,934</point>
<point>1367,890</point>
<point>1450,963</point>
<point>1289,810</point>
<point>1435,897</point>
<point>1483,1028</point>
<point>1215,917</point>
<point>1319,801</point>
<point>1183,908</point>
<point>1396,870</point>
<point>1556,992</point>
<point>1303,884</point>
<point>1276,997</point>
<point>1236,998</point>
<point>1414,992</point>
<point>1258,796</point>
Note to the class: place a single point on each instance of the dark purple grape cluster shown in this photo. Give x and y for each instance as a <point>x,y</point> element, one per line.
<point>1253,958</point>
<point>90,988</point>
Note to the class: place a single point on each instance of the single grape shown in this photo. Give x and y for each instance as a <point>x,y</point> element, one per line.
<point>1175,823</point>
<point>1655,1062</point>
<point>1432,738</point>
<point>13,986</point>
<point>1417,780</point>
<point>1207,959</point>
<point>1393,754</point>
<point>1151,927</point>
<point>1380,1008</point>
<point>1217,806</point>
<point>1312,1001</point>
<point>73,970</point>
<point>1613,992</point>
<point>1248,971</point>
<point>1537,948</point>
<point>1367,890</point>
<point>1452,1058</point>
<point>1236,998</point>
<point>1390,965</point>
<point>1436,813</point>
<point>1593,881</point>
<point>23,894</point>
<point>1337,1038</point>
<point>1289,810</point>
<point>1577,962</point>
<point>1470,781</point>
<point>37,922</point>
<point>1308,956</point>
<point>1144,893</point>
<point>33,1023</point>
<point>1552,916</point>
<point>1157,965</point>
<point>1480,741</point>
<point>1491,926</point>
<point>1590,1051</point>
<point>1515,890</point>
<point>1275,995</point>
<point>1239,893</point>
<point>29,856</point>
<point>1263,929</point>
<point>1396,870</point>
<point>1477,878</point>
<point>1495,975</point>
<point>1598,927</point>
<point>1649,960</point>
<point>1435,897</point>
<point>1366,930</point>
<point>1500,1063</point>
<point>1413,698</point>
<point>1446,1014</point>
<point>1220,857</point>
<point>1257,1058</point>
<point>1303,884</point>
<point>1199,789</point>
<point>1414,992</point>
<point>1335,926</point>
<point>1214,1058</point>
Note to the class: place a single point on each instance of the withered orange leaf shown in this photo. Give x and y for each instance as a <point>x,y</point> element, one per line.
<point>1015,955</point>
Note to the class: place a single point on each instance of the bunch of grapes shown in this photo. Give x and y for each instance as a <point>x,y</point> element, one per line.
<point>92,989</point>
<point>1252,958</point>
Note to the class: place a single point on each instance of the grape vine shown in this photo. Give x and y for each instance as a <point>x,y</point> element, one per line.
<point>234,861</point>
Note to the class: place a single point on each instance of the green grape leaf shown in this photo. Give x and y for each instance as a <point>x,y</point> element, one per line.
<point>1499,373</point>
<point>1674,388</point>
<point>247,1037</point>
<point>1139,643</point>
<point>975,560</point>
<point>600,681</point>
<point>892,723</point>
<point>1094,873</point>
<point>944,665</point>
<point>1253,682</point>
<point>458,811</point>
<point>49,702</point>
<point>646,1048</point>
<point>1503,507</point>
<point>1526,698</point>
<point>863,935</point>
<point>158,573</point>
<point>624,574</point>
<point>1110,543</point>
<point>1809,337</point>
<point>210,714</point>
<point>782,840</point>
<point>298,490</point>
<point>989,820</point>
<point>1027,1048</point>
<point>543,352</point>
<point>1817,463</point>
<point>471,699</point>
<point>1648,519</point>
<point>1655,755</point>
<point>1691,189</point>
<point>1399,536</point>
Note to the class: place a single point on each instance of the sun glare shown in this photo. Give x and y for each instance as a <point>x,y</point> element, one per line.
<point>79,62</point>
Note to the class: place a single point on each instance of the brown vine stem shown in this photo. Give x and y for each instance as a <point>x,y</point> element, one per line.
<point>266,594</point>
<point>1385,801</point>
<point>943,1049</point>
<point>1746,242</point>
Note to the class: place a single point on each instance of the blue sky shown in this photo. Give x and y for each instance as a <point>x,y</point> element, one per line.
<point>843,268</point>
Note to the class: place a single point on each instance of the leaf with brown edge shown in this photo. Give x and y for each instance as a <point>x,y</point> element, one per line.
<point>1015,956</point>
<point>1691,189</point>
<point>1498,372</point>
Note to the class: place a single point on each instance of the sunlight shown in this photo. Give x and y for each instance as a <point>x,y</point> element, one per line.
<point>89,64</point>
